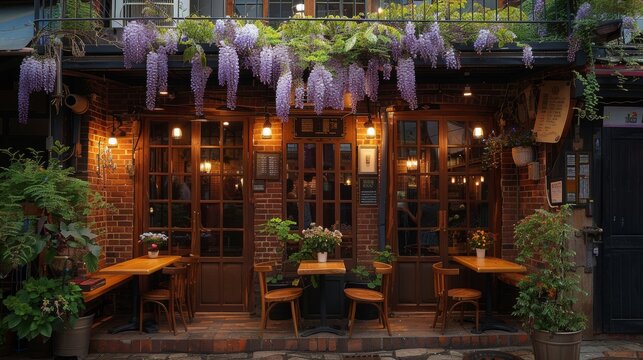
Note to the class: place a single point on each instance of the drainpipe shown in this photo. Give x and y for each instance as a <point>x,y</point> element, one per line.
<point>381,214</point>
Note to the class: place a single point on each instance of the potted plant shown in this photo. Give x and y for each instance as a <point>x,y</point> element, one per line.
<point>520,141</point>
<point>42,306</point>
<point>480,240</point>
<point>547,294</point>
<point>153,241</point>
<point>321,240</point>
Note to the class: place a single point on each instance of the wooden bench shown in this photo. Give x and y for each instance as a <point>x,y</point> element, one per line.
<point>112,281</point>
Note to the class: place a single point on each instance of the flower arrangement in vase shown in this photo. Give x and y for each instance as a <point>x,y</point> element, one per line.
<point>153,240</point>
<point>321,240</point>
<point>481,241</point>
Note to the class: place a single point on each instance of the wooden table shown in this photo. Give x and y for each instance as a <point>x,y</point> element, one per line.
<point>489,265</point>
<point>140,266</point>
<point>312,267</point>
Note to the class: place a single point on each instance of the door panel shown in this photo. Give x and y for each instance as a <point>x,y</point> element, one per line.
<point>440,195</point>
<point>622,268</point>
<point>196,196</point>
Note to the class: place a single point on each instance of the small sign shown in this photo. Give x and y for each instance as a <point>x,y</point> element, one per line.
<point>623,116</point>
<point>368,191</point>
<point>259,186</point>
<point>551,115</point>
<point>556,192</point>
<point>267,166</point>
<point>319,127</point>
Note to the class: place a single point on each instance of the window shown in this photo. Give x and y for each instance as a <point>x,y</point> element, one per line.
<point>213,8</point>
<point>248,8</point>
<point>281,8</point>
<point>339,8</point>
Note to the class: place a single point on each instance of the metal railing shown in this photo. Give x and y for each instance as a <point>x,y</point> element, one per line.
<point>548,16</point>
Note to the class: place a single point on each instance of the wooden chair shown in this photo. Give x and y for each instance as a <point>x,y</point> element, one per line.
<point>191,263</point>
<point>461,296</point>
<point>272,297</point>
<point>377,298</point>
<point>169,300</point>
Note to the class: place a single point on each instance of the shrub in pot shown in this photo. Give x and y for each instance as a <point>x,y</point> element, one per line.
<point>547,294</point>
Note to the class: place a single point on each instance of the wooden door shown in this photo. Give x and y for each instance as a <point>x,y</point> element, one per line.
<point>622,251</point>
<point>441,193</point>
<point>196,195</point>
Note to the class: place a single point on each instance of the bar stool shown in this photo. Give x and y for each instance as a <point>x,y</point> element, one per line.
<point>461,296</point>
<point>169,300</point>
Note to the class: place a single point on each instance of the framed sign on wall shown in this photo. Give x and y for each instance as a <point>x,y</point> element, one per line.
<point>367,160</point>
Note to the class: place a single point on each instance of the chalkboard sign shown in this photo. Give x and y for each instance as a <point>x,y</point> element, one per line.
<point>320,127</point>
<point>267,166</point>
<point>368,191</point>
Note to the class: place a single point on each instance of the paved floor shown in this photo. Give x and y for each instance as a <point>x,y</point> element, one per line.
<point>595,349</point>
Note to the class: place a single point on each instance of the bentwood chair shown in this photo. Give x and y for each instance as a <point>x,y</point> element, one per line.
<point>169,300</point>
<point>273,297</point>
<point>454,297</point>
<point>191,263</point>
<point>368,296</point>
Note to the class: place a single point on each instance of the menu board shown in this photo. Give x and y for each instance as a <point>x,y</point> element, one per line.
<point>553,107</point>
<point>577,184</point>
<point>368,191</point>
<point>324,127</point>
<point>267,166</point>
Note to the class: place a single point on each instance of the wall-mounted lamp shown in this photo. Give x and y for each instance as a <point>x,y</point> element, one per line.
<point>299,9</point>
<point>177,133</point>
<point>370,128</point>
<point>478,133</point>
<point>467,91</point>
<point>226,123</point>
<point>266,132</point>
<point>104,160</point>
<point>116,130</point>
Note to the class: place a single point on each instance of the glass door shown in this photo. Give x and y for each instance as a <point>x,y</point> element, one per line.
<point>440,195</point>
<point>196,196</point>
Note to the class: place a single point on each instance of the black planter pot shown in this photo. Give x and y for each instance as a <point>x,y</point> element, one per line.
<point>363,311</point>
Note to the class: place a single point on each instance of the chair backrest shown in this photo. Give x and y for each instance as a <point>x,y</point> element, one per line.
<point>191,263</point>
<point>262,269</point>
<point>385,270</point>
<point>178,280</point>
<point>439,277</point>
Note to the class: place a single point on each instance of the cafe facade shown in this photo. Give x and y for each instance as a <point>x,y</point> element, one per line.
<point>382,174</point>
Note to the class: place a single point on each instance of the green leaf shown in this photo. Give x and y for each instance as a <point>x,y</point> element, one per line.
<point>350,43</point>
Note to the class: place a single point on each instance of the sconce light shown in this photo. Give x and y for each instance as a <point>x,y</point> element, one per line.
<point>177,133</point>
<point>164,92</point>
<point>226,123</point>
<point>467,91</point>
<point>205,167</point>
<point>452,179</point>
<point>411,164</point>
<point>116,130</point>
<point>104,160</point>
<point>299,9</point>
<point>481,179</point>
<point>266,132</point>
<point>370,128</point>
<point>478,133</point>
<point>348,181</point>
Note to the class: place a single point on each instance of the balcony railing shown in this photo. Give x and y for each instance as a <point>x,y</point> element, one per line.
<point>549,19</point>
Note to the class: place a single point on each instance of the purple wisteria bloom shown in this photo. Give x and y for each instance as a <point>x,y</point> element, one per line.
<point>137,41</point>
<point>198,79</point>
<point>152,70</point>
<point>246,37</point>
<point>299,97</point>
<point>409,40</point>
<point>282,95</point>
<point>527,56</point>
<point>451,60</point>
<point>265,65</point>
<point>486,40</point>
<point>229,73</point>
<point>584,11</point>
<point>406,81</point>
<point>356,80</point>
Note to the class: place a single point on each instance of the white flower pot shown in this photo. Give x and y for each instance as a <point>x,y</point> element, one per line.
<point>322,257</point>
<point>480,253</point>
<point>152,254</point>
<point>522,155</point>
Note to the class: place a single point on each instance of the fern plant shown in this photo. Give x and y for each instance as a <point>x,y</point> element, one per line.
<point>63,202</point>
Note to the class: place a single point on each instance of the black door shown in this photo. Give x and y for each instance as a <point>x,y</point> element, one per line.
<point>622,270</point>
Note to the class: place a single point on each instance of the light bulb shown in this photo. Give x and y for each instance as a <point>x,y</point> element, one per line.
<point>467,91</point>
<point>478,132</point>
<point>177,133</point>
<point>266,132</point>
<point>112,141</point>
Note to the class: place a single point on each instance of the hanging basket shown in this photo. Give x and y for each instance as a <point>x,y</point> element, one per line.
<point>522,155</point>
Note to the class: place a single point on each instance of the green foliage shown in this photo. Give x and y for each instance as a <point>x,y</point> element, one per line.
<point>196,29</point>
<point>589,109</point>
<point>42,306</point>
<point>282,230</point>
<point>373,280</point>
<point>58,195</point>
<point>548,293</point>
